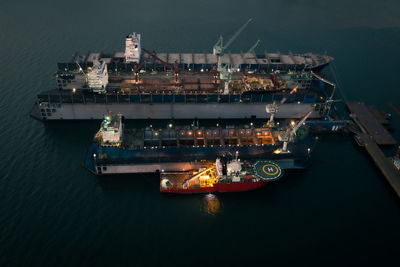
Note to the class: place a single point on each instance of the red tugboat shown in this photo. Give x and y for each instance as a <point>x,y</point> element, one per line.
<point>222,176</point>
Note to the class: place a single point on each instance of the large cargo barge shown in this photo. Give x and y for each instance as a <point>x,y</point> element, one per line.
<point>143,84</point>
<point>117,150</point>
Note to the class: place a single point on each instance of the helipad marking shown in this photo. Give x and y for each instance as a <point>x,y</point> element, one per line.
<point>269,171</point>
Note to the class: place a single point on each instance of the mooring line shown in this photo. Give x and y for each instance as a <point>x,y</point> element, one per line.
<point>394,108</point>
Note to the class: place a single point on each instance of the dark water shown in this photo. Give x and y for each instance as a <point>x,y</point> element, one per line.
<point>54,213</point>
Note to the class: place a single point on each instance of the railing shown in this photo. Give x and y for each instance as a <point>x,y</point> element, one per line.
<point>166,99</point>
<point>151,64</point>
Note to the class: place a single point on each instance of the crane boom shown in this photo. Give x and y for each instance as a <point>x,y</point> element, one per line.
<point>218,45</point>
<point>219,49</point>
<point>302,121</point>
<point>153,55</point>
<point>251,49</point>
<point>290,133</point>
<point>236,34</point>
<point>294,90</point>
<point>81,70</point>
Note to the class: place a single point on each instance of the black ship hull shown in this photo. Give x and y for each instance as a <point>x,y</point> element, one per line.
<point>115,160</point>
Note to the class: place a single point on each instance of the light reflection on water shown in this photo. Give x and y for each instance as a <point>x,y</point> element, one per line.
<point>210,205</point>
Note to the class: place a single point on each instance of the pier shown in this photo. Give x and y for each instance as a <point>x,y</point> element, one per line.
<point>370,121</point>
<point>385,165</point>
<point>371,134</point>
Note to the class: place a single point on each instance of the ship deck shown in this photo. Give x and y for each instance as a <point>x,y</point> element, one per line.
<point>84,96</point>
<point>194,137</point>
<point>206,61</point>
<point>177,178</point>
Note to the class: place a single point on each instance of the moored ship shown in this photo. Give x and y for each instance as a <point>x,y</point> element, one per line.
<point>225,175</point>
<point>117,150</point>
<point>142,84</point>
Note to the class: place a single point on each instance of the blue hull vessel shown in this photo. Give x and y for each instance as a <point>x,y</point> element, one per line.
<point>187,148</point>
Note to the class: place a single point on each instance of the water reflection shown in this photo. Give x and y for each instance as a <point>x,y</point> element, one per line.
<point>210,205</point>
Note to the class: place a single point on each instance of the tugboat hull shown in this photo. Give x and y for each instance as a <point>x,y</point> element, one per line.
<point>219,188</point>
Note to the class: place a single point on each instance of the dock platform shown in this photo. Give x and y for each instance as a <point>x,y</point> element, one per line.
<point>385,164</point>
<point>369,123</point>
<point>370,133</point>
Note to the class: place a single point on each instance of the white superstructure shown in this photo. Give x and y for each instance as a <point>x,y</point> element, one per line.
<point>111,130</point>
<point>98,77</point>
<point>132,48</point>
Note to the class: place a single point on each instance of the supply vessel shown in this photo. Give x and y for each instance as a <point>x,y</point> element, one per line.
<point>117,150</point>
<point>225,175</point>
<point>142,84</point>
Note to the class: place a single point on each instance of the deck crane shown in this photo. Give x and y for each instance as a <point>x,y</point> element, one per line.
<point>290,133</point>
<point>245,73</point>
<point>136,68</point>
<point>225,72</point>
<point>229,68</point>
<point>273,108</point>
<point>329,99</point>
<point>251,49</point>
<point>81,70</point>
<point>173,67</point>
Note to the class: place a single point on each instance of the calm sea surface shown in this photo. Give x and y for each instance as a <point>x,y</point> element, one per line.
<point>53,212</point>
